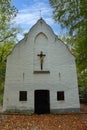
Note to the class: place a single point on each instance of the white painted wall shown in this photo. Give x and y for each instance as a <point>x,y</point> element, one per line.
<point>23,61</point>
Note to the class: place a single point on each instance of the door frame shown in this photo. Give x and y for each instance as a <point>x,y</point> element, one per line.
<point>42,101</point>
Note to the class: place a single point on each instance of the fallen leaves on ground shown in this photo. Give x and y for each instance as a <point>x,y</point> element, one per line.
<point>83,107</point>
<point>44,122</point>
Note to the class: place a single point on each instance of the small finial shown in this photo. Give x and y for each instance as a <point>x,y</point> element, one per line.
<point>40,13</point>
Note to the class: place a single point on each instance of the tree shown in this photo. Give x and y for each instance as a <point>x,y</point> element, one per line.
<point>7,14</point>
<point>5,49</point>
<point>70,13</point>
<point>8,34</point>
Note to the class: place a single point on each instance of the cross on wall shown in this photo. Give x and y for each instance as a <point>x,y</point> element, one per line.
<point>41,55</point>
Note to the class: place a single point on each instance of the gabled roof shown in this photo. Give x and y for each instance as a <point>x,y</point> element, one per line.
<point>39,22</point>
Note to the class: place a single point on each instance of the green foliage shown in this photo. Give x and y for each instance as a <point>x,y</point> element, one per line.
<point>7,14</point>
<point>1,92</point>
<point>81,49</point>
<point>5,49</point>
<point>81,55</point>
<point>70,13</point>
<point>8,34</point>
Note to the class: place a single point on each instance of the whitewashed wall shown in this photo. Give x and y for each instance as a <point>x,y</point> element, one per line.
<point>23,61</point>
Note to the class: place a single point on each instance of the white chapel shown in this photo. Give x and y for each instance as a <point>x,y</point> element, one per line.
<point>41,74</point>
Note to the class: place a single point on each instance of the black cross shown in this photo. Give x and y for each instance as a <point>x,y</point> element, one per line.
<point>41,55</point>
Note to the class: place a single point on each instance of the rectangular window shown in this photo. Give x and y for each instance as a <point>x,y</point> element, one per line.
<point>60,95</point>
<point>23,96</point>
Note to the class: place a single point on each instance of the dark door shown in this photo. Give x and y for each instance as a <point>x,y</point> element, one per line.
<point>42,102</point>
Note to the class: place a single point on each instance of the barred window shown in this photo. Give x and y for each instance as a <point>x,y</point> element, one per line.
<point>23,96</point>
<point>60,95</point>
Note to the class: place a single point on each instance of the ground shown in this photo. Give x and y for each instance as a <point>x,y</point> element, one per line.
<point>71,121</point>
<point>83,108</point>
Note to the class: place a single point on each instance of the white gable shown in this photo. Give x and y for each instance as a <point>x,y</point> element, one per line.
<point>24,73</point>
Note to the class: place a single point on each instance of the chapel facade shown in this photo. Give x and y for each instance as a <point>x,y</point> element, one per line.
<point>41,74</point>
